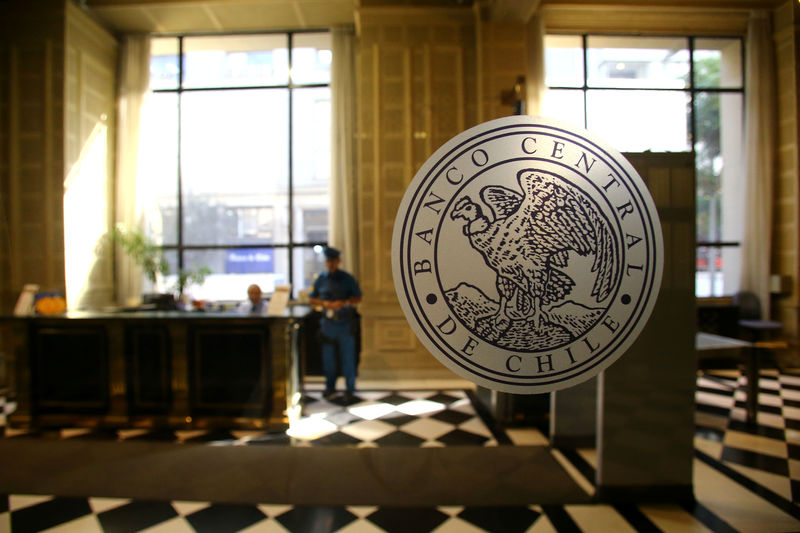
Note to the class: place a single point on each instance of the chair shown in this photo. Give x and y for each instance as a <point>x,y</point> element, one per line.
<point>758,332</point>
<point>750,323</point>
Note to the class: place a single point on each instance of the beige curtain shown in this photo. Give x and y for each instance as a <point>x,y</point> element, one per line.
<point>134,80</point>
<point>534,73</point>
<point>759,141</point>
<point>343,212</point>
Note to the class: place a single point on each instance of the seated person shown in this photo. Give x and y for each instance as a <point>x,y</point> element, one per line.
<point>255,304</point>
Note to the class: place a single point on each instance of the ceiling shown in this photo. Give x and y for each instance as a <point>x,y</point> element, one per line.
<point>187,16</point>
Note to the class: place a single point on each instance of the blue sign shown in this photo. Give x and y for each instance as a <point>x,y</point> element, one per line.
<point>250,261</point>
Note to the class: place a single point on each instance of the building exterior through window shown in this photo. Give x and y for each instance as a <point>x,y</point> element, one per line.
<point>665,94</point>
<point>235,158</point>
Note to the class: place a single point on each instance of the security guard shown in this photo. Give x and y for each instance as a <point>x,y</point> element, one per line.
<point>336,292</point>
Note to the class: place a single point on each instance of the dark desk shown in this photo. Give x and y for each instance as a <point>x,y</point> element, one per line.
<point>719,316</point>
<point>705,342</point>
<point>312,355</point>
<point>167,369</point>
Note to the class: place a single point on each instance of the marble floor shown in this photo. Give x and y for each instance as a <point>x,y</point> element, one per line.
<point>746,477</point>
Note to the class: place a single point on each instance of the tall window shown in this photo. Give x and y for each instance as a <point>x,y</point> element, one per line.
<point>235,160</point>
<point>665,94</point>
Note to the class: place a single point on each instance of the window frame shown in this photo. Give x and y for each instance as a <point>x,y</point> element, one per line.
<point>691,90</point>
<point>180,248</point>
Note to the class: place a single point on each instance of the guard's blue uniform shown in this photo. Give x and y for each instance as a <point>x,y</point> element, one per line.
<point>339,285</point>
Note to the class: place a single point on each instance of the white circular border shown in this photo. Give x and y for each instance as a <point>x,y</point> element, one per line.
<point>653,239</point>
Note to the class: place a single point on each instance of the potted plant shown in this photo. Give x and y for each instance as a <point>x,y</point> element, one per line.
<point>150,258</point>
<point>142,250</point>
<point>187,278</point>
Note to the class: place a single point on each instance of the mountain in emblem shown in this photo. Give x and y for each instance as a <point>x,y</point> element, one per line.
<point>477,311</point>
<point>470,303</point>
<point>575,317</point>
<point>527,243</point>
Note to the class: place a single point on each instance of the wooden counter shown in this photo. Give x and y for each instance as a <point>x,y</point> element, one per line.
<point>171,369</point>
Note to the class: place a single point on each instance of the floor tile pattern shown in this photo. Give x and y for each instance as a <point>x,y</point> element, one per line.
<point>764,452</point>
<point>760,461</point>
<point>96,515</point>
<point>392,418</point>
<point>370,418</point>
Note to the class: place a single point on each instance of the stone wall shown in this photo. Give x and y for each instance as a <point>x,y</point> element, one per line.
<point>31,147</point>
<point>786,236</point>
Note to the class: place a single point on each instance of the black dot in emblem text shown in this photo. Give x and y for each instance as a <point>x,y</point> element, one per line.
<point>431,299</point>
<point>626,299</point>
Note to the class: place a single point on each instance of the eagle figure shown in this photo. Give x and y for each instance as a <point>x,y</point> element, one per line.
<point>529,241</point>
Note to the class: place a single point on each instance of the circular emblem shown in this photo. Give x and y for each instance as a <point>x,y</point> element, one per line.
<point>527,254</point>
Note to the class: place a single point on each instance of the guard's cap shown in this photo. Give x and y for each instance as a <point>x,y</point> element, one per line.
<point>331,253</point>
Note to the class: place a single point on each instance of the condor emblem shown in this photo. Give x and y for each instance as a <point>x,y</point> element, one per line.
<point>527,255</point>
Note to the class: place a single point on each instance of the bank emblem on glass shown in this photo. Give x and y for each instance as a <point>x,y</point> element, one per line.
<point>527,254</point>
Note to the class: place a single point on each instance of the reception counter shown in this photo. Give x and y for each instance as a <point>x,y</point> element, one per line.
<point>170,369</point>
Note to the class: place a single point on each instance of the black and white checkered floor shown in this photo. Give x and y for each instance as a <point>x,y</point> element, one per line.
<point>766,455</point>
<point>747,477</point>
<point>371,418</point>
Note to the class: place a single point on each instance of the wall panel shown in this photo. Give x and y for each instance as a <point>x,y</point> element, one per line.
<point>503,60</point>
<point>786,232</point>
<point>88,171</point>
<point>413,97</point>
<point>53,90</point>
<point>645,19</point>
<point>31,157</point>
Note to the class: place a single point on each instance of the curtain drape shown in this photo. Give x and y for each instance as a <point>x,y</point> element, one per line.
<point>134,80</point>
<point>343,210</point>
<point>759,157</point>
<point>534,73</point>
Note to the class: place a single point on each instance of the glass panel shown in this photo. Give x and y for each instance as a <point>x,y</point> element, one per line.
<point>311,163</point>
<point>717,63</point>
<point>708,276</point>
<point>157,176</point>
<point>311,58</point>
<point>309,262</point>
<point>235,61</point>
<point>717,271</point>
<point>565,104</point>
<point>563,59</point>
<point>164,284</point>
<point>731,266</point>
<point>636,121</point>
<point>640,62</point>
<point>233,270</point>
<point>164,65</point>
<point>234,165</point>
<point>311,220</point>
<point>720,182</point>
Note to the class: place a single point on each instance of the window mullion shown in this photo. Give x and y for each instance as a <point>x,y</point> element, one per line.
<point>291,164</point>
<point>180,151</point>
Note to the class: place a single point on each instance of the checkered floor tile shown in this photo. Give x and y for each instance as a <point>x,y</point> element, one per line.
<point>370,418</point>
<point>383,418</point>
<point>24,514</point>
<point>767,451</point>
<point>760,460</point>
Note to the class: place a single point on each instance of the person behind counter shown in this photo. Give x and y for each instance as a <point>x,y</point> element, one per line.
<point>336,292</point>
<point>255,302</point>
